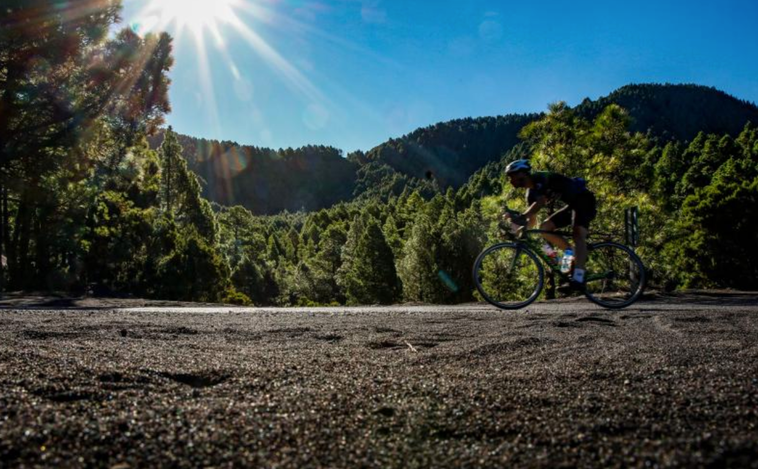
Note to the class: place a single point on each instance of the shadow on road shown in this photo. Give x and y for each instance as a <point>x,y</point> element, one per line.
<point>708,297</point>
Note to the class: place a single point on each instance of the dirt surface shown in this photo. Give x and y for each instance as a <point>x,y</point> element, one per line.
<point>48,301</point>
<point>671,381</point>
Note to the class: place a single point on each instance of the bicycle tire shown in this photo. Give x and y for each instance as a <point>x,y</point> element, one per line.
<point>502,286</point>
<point>606,263</point>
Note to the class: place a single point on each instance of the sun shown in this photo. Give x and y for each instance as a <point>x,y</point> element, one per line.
<point>217,24</point>
<point>195,15</point>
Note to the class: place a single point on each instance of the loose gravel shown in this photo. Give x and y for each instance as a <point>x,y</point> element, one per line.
<point>669,382</point>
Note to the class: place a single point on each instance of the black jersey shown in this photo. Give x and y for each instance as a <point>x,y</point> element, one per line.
<point>555,186</point>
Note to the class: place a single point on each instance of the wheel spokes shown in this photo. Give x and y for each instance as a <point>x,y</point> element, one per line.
<point>508,276</point>
<point>614,275</point>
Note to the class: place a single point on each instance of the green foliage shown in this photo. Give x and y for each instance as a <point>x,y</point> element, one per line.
<point>451,151</point>
<point>345,277</point>
<point>193,271</point>
<point>713,238</point>
<point>603,152</point>
<point>182,194</point>
<point>267,181</point>
<point>116,242</point>
<point>237,298</point>
<point>392,235</point>
<point>418,267</point>
<point>706,155</point>
<point>372,277</point>
<point>668,171</point>
<point>462,239</point>
<point>676,112</point>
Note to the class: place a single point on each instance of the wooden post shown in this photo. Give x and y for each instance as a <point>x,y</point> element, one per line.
<point>631,227</point>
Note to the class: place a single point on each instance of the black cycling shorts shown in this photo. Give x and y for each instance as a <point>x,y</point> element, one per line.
<point>580,212</point>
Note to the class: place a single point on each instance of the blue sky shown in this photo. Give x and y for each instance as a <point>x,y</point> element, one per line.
<point>354,73</point>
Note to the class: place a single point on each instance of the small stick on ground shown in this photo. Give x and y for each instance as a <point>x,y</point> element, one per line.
<point>411,346</point>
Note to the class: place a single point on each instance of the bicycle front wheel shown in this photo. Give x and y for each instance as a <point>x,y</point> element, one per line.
<point>615,275</point>
<point>508,275</point>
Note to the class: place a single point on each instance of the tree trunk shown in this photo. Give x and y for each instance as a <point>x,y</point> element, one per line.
<point>2,238</point>
<point>6,238</point>
<point>19,249</point>
<point>168,186</point>
<point>42,227</point>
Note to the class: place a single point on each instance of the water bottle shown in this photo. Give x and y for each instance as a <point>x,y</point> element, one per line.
<point>568,261</point>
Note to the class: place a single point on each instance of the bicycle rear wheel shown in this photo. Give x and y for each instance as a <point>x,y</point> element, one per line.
<point>508,275</point>
<point>615,275</point>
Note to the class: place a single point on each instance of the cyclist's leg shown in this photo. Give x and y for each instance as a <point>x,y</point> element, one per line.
<point>580,246</point>
<point>584,211</point>
<point>558,220</point>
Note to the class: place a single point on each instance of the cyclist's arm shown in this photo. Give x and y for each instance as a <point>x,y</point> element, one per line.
<point>531,212</point>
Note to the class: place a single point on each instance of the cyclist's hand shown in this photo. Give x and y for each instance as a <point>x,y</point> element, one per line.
<point>512,216</point>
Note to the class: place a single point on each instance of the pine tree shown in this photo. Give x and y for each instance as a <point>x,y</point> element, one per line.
<point>345,277</point>
<point>392,235</point>
<point>418,267</point>
<point>182,192</point>
<point>374,279</point>
<point>171,158</point>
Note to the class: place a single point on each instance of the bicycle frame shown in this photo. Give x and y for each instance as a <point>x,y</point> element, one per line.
<point>534,245</point>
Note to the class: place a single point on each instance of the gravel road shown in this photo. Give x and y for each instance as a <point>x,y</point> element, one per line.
<point>671,381</point>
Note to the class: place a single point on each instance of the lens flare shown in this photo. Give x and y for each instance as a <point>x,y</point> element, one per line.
<point>447,281</point>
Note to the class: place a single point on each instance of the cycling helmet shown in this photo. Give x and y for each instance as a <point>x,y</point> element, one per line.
<point>518,165</point>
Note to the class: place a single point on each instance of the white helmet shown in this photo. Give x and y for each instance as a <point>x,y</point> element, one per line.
<point>518,165</point>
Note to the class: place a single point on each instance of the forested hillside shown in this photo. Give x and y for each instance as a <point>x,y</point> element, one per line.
<point>268,181</point>
<point>676,112</point>
<point>454,150</point>
<point>696,202</point>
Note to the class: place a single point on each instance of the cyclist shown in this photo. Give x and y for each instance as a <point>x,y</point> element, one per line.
<point>544,187</point>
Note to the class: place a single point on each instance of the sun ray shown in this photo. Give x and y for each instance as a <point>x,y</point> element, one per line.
<point>199,15</point>
<point>257,11</point>
<point>206,83</point>
<point>232,65</point>
<point>130,79</point>
<point>149,19</point>
<point>273,18</point>
<point>288,23</point>
<point>213,28</point>
<point>224,21</point>
<point>292,74</point>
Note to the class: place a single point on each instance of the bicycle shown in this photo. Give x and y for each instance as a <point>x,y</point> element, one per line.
<point>509,274</point>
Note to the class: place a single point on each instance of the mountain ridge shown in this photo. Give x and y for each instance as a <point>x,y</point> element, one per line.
<point>268,181</point>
